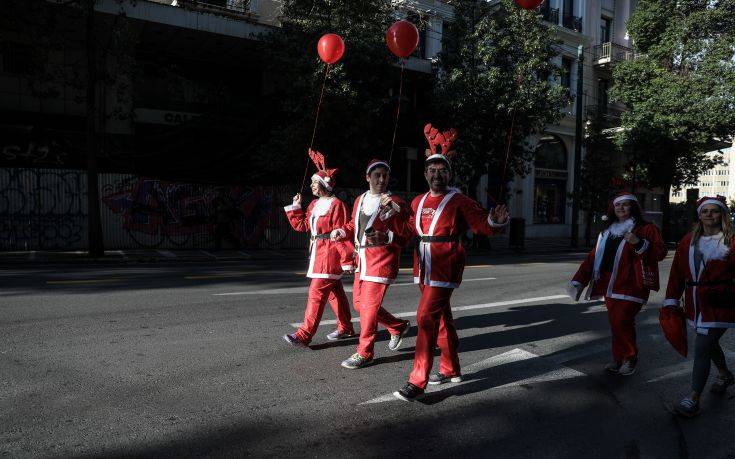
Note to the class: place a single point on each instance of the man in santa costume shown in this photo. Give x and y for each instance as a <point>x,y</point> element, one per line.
<point>440,218</point>
<point>327,259</point>
<point>622,269</point>
<point>703,271</point>
<point>378,256</point>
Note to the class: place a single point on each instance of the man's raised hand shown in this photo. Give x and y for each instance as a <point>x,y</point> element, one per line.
<point>499,214</point>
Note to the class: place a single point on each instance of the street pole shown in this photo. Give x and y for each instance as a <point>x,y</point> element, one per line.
<point>578,138</point>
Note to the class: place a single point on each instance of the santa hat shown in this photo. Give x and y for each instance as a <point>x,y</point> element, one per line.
<point>376,163</point>
<point>716,200</point>
<point>440,144</point>
<point>326,177</point>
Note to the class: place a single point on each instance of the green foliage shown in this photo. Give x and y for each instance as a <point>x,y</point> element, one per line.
<point>680,90</point>
<point>496,70</point>
<point>355,122</point>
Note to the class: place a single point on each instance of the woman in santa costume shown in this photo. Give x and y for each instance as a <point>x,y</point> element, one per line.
<point>327,259</point>
<point>378,257</point>
<point>704,271</point>
<point>440,218</point>
<point>622,269</point>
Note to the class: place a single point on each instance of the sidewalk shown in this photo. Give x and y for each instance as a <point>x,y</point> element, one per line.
<point>499,247</point>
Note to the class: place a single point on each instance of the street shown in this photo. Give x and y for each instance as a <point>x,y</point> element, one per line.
<point>187,359</point>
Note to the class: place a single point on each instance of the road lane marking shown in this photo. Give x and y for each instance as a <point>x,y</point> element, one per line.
<point>166,253</point>
<point>459,308</point>
<point>547,373</point>
<point>85,281</point>
<point>284,290</point>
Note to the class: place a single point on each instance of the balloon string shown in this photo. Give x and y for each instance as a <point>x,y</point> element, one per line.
<point>398,112</point>
<point>507,154</point>
<point>316,121</point>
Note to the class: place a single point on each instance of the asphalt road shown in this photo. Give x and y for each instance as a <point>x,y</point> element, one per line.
<point>187,360</point>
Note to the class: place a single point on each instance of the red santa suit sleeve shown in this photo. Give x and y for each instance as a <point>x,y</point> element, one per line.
<point>678,274</point>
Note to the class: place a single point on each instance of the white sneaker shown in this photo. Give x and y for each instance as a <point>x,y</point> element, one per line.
<point>627,368</point>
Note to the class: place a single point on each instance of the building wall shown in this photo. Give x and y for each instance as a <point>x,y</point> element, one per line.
<point>719,180</point>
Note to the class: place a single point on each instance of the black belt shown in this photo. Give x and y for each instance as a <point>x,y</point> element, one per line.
<point>320,236</point>
<point>360,246</point>
<point>707,283</point>
<point>439,238</point>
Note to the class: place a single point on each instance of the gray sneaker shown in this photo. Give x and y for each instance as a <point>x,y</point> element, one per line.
<point>438,378</point>
<point>627,368</point>
<point>294,340</point>
<point>338,335</point>
<point>613,367</point>
<point>356,361</point>
<point>397,339</point>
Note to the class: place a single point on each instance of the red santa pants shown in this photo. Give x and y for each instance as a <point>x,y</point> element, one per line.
<point>621,314</point>
<point>321,290</point>
<point>436,327</point>
<point>367,297</point>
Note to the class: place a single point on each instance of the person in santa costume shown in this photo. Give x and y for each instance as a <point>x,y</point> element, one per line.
<point>622,269</point>
<point>327,259</point>
<point>440,217</point>
<point>703,271</point>
<point>378,255</point>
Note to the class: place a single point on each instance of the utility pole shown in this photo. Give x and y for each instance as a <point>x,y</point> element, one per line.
<point>96,246</point>
<point>578,138</point>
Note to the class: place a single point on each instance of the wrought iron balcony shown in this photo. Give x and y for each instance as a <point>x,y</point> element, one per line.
<point>550,14</point>
<point>572,22</point>
<point>609,53</point>
<point>232,8</point>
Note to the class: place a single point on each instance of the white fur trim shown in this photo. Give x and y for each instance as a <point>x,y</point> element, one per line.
<point>625,197</point>
<point>670,302</point>
<point>292,207</point>
<point>716,202</point>
<point>619,229</point>
<point>573,288</point>
<point>644,248</point>
<point>370,203</point>
<point>438,156</point>
<point>347,267</point>
<point>492,223</point>
<point>712,247</point>
<point>321,207</point>
<point>372,166</point>
<point>322,180</point>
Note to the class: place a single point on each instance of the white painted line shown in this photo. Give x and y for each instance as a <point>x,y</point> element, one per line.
<point>513,356</point>
<point>460,308</point>
<point>280,291</point>
<point>245,254</point>
<point>210,254</point>
<point>166,253</point>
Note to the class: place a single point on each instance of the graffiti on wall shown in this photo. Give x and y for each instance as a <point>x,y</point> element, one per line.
<point>42,209</point>
<point>157,213</point>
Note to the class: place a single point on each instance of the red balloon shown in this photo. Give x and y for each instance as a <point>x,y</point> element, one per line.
<point>402,38</point>
<point>529,4</point>
<point>331,47</point>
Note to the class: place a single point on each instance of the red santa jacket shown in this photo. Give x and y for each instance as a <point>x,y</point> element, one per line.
<point>709,295</point>
<point>326,258</point>
<point>634,273</point>
<point>376,263</point>
<point>439,259</point>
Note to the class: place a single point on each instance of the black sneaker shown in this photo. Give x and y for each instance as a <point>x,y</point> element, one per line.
<point>439,378</point>
<point>409,393</point>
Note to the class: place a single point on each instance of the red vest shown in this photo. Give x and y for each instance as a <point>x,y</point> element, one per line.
<point>709,297</point>
<point>326,258</point>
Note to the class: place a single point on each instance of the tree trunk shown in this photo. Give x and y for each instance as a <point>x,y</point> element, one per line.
<point>665,214</point>
<point>94,224</point>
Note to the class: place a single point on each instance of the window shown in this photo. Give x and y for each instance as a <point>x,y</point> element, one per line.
<point>605,29</point>
<point>550,182</point>
<point>566,72</point>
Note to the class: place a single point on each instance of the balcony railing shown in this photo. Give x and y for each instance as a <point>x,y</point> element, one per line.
<point>572,22</point>
<point>609,53</point>
<point>231,8</point>
<point>550,14</point>
<point>607,115</point>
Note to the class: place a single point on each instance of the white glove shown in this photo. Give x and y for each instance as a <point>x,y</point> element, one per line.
<point>574,290</point>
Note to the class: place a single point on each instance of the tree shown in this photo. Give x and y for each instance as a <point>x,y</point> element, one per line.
<point>355,122</point>
<point>496,76</point>
<point>679,90</point>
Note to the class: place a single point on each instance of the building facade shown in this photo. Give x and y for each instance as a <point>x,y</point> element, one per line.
<point>720,180</point>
